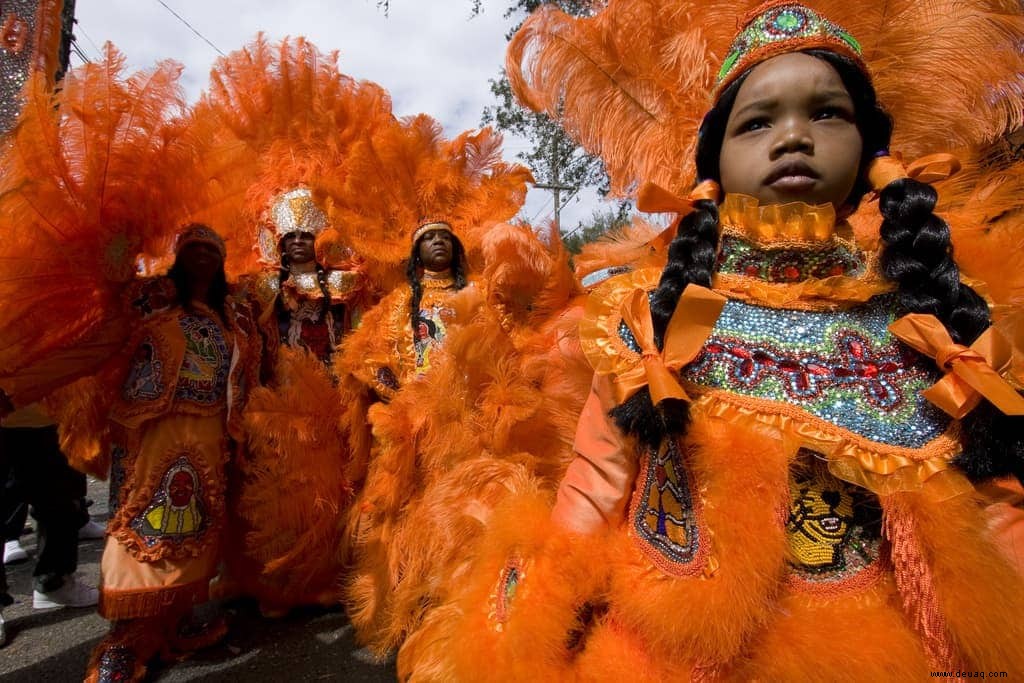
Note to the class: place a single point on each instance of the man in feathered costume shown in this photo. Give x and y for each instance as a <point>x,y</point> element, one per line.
<point>770,471</point>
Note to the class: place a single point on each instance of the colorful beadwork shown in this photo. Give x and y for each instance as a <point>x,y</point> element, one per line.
<point>841,366</point>
<point>177,510</point>
<point>116,665</point>
<point>512,574</point>
<point>144,381</point>
<point>834,527</point>
<point>740,257</point>
<point>430,332</point>
<point>664,513</point>
<point>204,369</point>
<point>785,27</point>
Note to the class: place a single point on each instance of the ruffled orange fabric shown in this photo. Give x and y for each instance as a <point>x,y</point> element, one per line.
<point>777,225</point>
<point>927,169</point>
<point>830,293</point>
<point>877,467</point>
<point>599,336</point>
<point>973,372</point>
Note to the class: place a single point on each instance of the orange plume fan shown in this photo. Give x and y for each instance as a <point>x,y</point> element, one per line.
<point>95,177</point>
<point>276,117</point>
<point>947,70</point>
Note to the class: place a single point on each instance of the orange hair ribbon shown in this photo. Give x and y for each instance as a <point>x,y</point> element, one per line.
<point>928,169</point>
<point>653,198</point>
<point>972,372</point>
<point>691,324</point>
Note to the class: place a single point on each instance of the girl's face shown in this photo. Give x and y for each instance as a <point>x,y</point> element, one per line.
<point>791,135</point>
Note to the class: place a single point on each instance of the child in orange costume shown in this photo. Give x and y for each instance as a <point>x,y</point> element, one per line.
<point>762,487</point>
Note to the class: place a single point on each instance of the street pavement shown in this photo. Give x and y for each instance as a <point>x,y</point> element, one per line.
<point>54,645</point>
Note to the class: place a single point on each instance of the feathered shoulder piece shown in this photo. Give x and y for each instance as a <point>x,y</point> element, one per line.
<point>948,71</point>
<point>95,179</point>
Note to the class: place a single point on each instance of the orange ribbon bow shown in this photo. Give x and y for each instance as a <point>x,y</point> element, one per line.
<point>928,169</point>
<point>691,324</point>
<point>972,372</point>
<point>653,198</point>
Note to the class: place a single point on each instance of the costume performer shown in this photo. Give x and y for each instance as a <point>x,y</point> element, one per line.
<point>767,481</point>
<point>282,120</point>
<point>171,439</point>
<point>146,376</point>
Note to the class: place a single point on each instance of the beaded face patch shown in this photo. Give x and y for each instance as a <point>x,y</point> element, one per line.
<point>841,366</point>
<point>787,265</point>
<point>177,511</point>
<point>665,516</point>
<point>204,369</point>
<point>143,382</point>
<point>833,529</point>
<point>512,575</point>
<point>430,332</point>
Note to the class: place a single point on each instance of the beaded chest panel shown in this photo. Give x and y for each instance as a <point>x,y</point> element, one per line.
<point>841,366</point>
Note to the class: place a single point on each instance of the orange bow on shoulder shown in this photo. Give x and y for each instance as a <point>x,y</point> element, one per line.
<point>972,372</point>
<point>691,324</point>
<point>928,169</point>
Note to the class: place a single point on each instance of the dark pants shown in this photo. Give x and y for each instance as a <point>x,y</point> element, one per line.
<point>13,514</point>
<point>39,474</point>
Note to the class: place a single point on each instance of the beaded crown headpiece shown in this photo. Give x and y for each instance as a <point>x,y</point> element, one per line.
<point>295,211</point>
<point>198,233</point>
<point>427,224</point>
<point>778,27</point>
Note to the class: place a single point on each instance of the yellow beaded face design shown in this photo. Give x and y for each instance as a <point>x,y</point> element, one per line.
<point>820,518</point>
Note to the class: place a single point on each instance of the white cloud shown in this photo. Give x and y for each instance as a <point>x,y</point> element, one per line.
<point>429,54</point>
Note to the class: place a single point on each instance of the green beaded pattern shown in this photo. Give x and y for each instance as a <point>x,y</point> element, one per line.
<point>783,24</point>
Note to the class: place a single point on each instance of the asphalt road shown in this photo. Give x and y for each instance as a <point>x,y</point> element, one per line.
<point>54,645</point>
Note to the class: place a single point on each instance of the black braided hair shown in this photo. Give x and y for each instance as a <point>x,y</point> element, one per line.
<point>916,254</point>
<point>414,273</point>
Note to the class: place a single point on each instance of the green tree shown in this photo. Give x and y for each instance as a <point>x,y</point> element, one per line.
<point>601,221</point>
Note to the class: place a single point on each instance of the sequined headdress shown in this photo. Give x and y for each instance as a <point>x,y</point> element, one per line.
<point>778,27</point>
<point>296,211</point>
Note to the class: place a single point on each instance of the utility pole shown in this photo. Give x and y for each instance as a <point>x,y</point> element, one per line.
<point>555,185</point>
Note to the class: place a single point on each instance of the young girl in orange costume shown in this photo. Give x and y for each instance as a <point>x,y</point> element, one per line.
<point>766,481</point>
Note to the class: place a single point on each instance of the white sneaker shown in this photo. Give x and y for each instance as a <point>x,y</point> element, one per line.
<point>91,531</point>
<point>73,593</point>
<point>13,552</point>
<point>3,631</point>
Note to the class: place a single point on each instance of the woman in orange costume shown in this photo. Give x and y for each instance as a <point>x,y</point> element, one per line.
<point>766,481</point>
<point>170,443</point>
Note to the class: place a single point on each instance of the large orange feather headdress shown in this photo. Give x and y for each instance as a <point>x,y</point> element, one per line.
<point>276,128</point>
<point>947,70</point>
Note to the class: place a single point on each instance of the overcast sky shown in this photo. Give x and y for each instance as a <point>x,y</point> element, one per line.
<point>429,54</point>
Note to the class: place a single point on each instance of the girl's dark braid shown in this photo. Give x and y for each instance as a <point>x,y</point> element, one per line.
<point>918,256</point>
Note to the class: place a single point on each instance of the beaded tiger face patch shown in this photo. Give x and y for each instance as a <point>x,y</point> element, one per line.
<point>833,528</point>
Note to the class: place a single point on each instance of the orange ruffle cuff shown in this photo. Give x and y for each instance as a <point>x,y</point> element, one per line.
<point>599,337</point>
<point>879,468</point>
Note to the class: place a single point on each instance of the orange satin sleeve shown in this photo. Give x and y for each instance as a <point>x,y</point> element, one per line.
<point>595,490</point>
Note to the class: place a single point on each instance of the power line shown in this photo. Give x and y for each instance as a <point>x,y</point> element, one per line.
<point>193,28</point>
<point>78,52</point>
<point>92,42</point>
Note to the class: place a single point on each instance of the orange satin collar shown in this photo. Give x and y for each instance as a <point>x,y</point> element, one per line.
<point>691,324</point>
<point>972,372</point>
<point>927,169</point>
